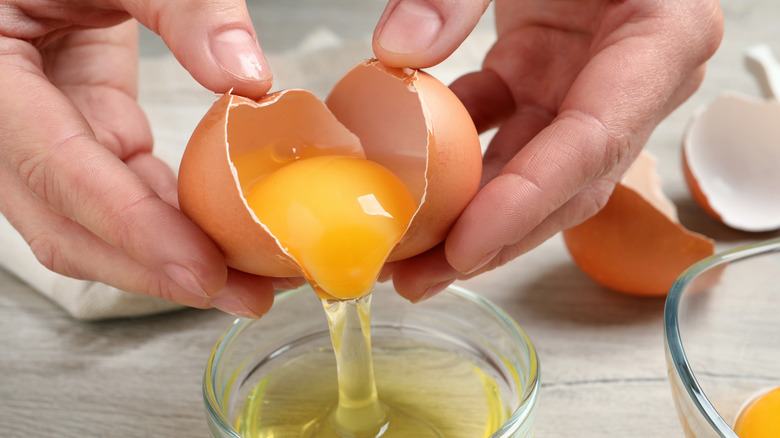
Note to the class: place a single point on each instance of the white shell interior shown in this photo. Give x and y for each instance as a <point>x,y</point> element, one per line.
<point>386,113</point>
<point>643,179</point>
<point>732,148</point>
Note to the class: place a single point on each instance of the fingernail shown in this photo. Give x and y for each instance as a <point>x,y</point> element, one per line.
<point>483,261</point>
<point>233,305</point>
<point>433,290</point>
<point>185,278</point>
<point>411,27</point>
<point>238,53</point>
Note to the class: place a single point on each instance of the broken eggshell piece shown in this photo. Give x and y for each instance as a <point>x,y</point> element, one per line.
<point>731,160</point>
<point>405,120</point>
<point>635,244</point>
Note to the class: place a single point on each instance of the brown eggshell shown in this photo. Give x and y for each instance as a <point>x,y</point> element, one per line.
<point>634,244</point>
<point>396,113</point>
<point>695,189</point>
<point>209,189</point>
<point>406,120</point>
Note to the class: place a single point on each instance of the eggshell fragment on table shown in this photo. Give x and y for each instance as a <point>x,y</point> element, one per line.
<point>731,160</point>
<point>635,244</point>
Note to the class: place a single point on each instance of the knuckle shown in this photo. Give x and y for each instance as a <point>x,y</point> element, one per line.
<point>48,251</point>
<point>32,171</point>
<point>51,173</point>
<point>604,146</point>
<point>120,225</point>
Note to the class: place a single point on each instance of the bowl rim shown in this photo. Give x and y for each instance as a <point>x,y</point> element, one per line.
<point>672,328</point>
<point>517,420</point>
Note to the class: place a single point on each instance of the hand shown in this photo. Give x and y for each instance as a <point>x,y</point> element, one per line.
<point>77,175</point>
<point>79,181</point>
<point>575,88</point>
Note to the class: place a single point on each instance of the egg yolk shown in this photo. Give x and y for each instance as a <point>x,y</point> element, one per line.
<point>761,417</point>
<point>338,217</point>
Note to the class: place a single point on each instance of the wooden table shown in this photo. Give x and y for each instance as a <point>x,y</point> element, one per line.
<point>601,353</point>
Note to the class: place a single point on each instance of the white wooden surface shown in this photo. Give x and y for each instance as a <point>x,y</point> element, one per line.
<point>601,353</point>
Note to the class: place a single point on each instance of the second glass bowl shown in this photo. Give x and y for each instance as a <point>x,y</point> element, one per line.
<point>722,323</point>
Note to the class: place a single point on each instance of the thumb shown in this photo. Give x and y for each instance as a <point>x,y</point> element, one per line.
<point>214,40</point>
<point>422,33</point>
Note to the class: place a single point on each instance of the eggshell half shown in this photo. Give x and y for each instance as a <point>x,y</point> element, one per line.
<point>635,244</point>
<point>411,123</point>
<point>210,180</point>
<point>731,160</point>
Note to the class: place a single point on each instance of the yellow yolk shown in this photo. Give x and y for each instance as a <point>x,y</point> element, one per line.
<point>338,217</point>
<point>761,417</point>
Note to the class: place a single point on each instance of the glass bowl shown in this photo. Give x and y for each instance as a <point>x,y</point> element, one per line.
<point>456,320</point>
<point>722,327</point>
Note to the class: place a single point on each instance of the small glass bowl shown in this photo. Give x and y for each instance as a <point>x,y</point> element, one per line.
<point>722,327</point>
<point>456,319</point>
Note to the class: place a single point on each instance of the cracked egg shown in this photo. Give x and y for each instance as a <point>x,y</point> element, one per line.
<point>289,185</point>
